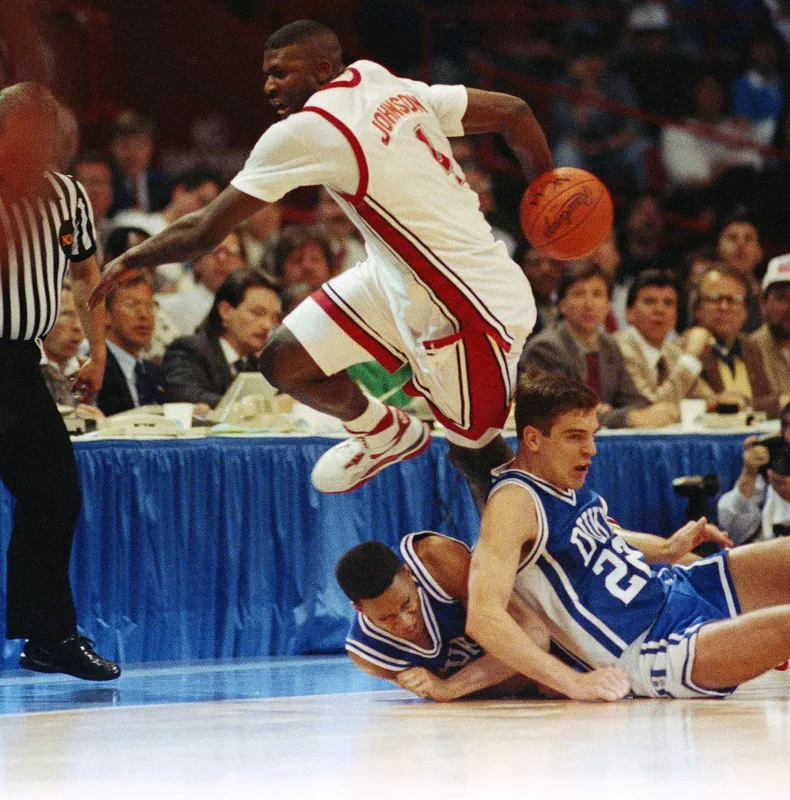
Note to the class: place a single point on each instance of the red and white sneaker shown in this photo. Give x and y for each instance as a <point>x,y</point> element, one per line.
<point>356,460</point>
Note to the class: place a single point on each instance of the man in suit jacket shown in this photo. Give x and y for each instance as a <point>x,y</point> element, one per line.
<point>200,368</point>
<point>578,346</point>
<point>733,363</point>
<point>137,184</point>
<point>662,369</point>
<point>129,380</point>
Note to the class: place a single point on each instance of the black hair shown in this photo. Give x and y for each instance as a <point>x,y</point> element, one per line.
<point>741,213</point>
<point>542,396</point>
<point>232,291</point>
<point>652,277</point>
<point>118,241</point>
<point>305,30</point>
<point>291,239</point>
<point>196,176</point>
<point>367,570</point>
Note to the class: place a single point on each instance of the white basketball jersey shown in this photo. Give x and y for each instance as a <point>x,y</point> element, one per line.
<point>379,144</point>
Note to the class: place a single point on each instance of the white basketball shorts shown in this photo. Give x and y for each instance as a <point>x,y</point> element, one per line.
<point>467,378</point>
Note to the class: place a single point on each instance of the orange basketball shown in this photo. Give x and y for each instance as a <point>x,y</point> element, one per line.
<point>566,213</point>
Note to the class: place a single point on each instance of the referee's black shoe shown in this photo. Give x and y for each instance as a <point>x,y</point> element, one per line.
<point>72,656</point>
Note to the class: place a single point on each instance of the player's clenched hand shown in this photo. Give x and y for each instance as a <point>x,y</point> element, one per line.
<point>115,274</point>
<point>422,683</point>
<point>607,683</point>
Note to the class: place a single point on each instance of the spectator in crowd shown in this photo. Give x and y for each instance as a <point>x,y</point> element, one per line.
<point>129,380</point>
<point>739,246</point>
<point>577,346</point>
<point>656,68</point>
<point>662,369</point>
<point>483,186</point>
<point>643,243</point>
<point>188,307</point>
<point>258,232</point>
<point>588,136</point>
<point>193,189</point>
<point>165,330</point>
<point>59,361</point>
<point>693,160</point>
<point>758,506</point>
<point>733,362</point>
<point>301,254</point>
<point>138,184</point>
<point>93,170</point>
<point>200,368</point>
<point>543,274</point>
<point>773,336</point>
<point>344,239</point>
<point>759,93</point>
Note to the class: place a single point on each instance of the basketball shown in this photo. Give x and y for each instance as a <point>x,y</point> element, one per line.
<point>566,213</point>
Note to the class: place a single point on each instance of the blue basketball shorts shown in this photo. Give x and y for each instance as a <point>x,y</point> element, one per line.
<point>659,663</point>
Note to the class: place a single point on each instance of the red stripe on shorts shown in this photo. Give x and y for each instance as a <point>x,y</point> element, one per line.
<point>489,395</point>
<point>352,329</point>
<point>445,290</point>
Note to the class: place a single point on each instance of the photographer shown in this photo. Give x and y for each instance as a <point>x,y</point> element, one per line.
<point>758,506</point>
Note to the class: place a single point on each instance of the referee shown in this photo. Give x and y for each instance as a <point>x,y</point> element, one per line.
<point>46,224</point>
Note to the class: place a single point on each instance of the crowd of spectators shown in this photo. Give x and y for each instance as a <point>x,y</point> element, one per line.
<point>689,296</point>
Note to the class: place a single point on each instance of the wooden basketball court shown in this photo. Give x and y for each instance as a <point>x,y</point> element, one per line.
<point>315,727</point>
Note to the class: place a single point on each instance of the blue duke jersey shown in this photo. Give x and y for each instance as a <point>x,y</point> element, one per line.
<point>595,593</point>
<point>445,619</point>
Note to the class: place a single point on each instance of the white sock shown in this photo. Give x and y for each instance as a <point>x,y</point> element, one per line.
<point>370,418</point>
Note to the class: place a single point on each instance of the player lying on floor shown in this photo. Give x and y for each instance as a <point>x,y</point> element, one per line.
<point>683,631</point>
<point>412,613</point>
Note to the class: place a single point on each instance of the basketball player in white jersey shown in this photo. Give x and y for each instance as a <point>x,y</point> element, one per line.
<point>436,291</point>
<point>665,631</point>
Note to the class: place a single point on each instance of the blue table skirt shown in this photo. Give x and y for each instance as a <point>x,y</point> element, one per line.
<point>216,547</point>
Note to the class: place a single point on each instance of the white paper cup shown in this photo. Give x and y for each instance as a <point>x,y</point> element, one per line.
<point>180,412</point>
<point>691,411</point>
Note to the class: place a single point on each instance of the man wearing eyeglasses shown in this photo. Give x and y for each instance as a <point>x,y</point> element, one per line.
<point>130,381</point>
<point>732,364</point>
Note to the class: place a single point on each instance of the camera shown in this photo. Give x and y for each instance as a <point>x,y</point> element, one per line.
<point>698,489</point>
<point>697,485</point>
<point>778,453</point>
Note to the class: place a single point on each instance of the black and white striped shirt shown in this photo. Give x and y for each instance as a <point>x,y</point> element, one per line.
<point>38,239</point>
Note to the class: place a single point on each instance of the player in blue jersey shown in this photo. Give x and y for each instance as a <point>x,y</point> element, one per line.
<point>682,631</point>
<point>411,616</point>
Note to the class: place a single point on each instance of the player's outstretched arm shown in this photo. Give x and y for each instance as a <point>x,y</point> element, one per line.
<point>677,548</point>
<point>509,524</point>
<point>189,237</point>
<point>496,112</point>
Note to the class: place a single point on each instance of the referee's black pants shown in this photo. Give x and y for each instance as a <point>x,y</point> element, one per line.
<point>37,465</point>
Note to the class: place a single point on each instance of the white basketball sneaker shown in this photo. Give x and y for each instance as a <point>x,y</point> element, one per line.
<point>355,461</point>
